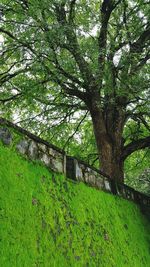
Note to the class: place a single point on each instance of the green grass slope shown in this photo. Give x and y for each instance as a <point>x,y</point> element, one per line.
<point>48,221</point>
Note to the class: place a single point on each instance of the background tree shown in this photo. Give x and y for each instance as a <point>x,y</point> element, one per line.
<point>137,166</point>
<point>70,65</point>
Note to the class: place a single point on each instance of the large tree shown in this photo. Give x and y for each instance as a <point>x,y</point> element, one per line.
<point>81,58</point>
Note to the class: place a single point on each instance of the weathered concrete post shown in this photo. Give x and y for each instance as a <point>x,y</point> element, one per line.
<point>73,171</point>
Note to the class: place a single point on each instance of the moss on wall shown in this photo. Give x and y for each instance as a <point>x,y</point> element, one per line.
<point>48,221</point>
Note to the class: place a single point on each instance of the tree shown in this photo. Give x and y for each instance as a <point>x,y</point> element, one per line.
<point>136,166</point>
<point>80,58</point>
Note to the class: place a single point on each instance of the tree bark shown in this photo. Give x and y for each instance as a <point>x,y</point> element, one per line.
<point>109,143</point>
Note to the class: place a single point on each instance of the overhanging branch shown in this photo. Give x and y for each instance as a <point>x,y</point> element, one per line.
<point>135,145</point>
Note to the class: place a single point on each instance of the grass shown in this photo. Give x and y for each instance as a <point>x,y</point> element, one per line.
<point>49,221</point>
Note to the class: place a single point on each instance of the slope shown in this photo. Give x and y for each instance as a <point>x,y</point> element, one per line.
<point>47,221</point>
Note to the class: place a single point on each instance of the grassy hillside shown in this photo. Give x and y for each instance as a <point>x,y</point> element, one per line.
<point>49,221</point>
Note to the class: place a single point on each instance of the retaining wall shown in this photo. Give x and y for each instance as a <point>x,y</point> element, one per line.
<point>56,160</point>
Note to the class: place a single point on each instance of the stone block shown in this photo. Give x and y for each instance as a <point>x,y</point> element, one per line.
<point>52,152</point>
<point>86,176</point>
<point>42,147</point>
<point>92,179</point>
<point>5,136</point>
<point>99,183</point>
<point>107,185</point>
<point>45,159</point>
<point>78,171</point>
<point>56,165</point>
<point>33,150</point>
<point>22,146</point>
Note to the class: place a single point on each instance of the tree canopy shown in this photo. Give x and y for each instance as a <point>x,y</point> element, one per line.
<point>68,67</point>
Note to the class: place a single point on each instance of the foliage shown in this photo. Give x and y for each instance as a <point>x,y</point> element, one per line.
<point>48,220</point>
<point>137,171</point>
<point>70,65</point>
<point>143,181</point>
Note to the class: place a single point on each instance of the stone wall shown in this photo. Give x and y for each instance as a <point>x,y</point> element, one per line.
<point>80,171</point>
<point>34,148</point>
<point>56,160</point>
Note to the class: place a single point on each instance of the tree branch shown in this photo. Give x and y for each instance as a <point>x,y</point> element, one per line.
<point>73,46</point>
<point>8,76</point>
<point>106,9</point>
<point>60,105</point>
<point>138,45</point>
<point>68,88</point>
<point>134,146</point>
<point>10,98</point>
<point>72,11</point>
<point>65,73</point>
<point>75,131</point>
<point>16,39</point>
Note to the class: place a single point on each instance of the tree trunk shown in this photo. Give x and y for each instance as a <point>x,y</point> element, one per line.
<point>110,161</point>
<point>109,146</point>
